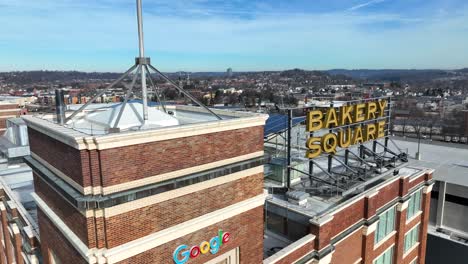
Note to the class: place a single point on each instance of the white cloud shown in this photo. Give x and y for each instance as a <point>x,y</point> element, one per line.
<point>372,2</point>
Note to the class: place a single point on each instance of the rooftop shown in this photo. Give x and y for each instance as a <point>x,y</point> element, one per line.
<point>95,125</point>
<point>449,160</point>
<point>318,204</point>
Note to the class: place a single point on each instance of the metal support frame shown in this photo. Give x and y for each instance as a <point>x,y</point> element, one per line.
<point>354,166</point>
<point>129,93</point>
<point>345,165</point>
<point>100,93</point>
<point>319,179</point>
<point>183,91</point>
<point>142,64</point>
<point>288,158</point>
<point>346,156</point>
<point>359,158</point>
<point>386,148</point>
<point>155,88</point>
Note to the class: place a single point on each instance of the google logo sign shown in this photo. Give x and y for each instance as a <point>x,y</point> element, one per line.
<point>182,254</point>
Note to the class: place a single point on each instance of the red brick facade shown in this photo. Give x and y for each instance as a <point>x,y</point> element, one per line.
<point>113,225</point>
<point>3,123</point>
<point>359,245</point>
<point>246,231</point>
<point>6,112</point>
<point>75,220</point>
<point>18,245</point>
<point>342,253</point>
<point>8,106</point>
<point>297,254</point>
<point>125,164</point>
<point>52,239</point>
<point>61,156</point>
<point>126,227</point>
<point>129,226</point>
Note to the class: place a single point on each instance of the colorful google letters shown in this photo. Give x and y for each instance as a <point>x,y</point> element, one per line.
<point>182,253</point>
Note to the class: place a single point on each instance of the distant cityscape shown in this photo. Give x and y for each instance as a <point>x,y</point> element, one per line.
<point>428,103</point>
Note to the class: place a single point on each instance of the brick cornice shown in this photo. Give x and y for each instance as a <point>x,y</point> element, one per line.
<point>81,141</point>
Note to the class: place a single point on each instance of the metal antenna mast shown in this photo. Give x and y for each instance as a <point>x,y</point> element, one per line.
<point>144,89</point>
<point>142,67</point>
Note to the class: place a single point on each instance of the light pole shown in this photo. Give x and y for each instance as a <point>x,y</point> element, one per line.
<point>418,154</point>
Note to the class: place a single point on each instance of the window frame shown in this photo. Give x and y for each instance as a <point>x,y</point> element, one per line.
<point>384,225</point>
<point>389,252</point>
<point>414,204</point>
<point>413,234</point>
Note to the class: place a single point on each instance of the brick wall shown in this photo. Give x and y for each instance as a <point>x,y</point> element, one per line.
<point>76,221</point>
<point>8,106</point>
<point>53,239</point>
<point>246,232</point>
<point>343,254</point>
<point>135,224</point>
<point>10,113</point>
<point>387,194</point>
<point>366,208</point>
<point>3,123</point>
<point>415,182</point>
<point>66,159</point>
<point>13,111</point>
<point>125,164</point>
<point>128,226</point>
<point>348,217</point>
<point>426,203</point>
<point>297,254</point>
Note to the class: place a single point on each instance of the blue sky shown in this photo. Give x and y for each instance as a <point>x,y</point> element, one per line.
<point>212,35</point>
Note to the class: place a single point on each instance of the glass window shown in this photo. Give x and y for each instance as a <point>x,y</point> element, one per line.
<point>386,224</point>
<point>386,257</point>
<point>411,238</point>
<point>414,204</point>
<point>276,223</point>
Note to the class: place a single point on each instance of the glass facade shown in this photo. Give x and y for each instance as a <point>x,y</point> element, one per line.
<point>386,224</point>
<point>411,238</point>
<point>386,257</point>
<point>288,228</point>
<point>414,204</point>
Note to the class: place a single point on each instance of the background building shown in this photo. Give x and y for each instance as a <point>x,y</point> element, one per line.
<point>188,187</point>
<point>448,230</point>
<point>18,230</point>
<point>7,110</point>
<point>362,204</point>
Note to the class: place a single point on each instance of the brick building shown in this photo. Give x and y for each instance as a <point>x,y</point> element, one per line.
<point>358,204</point>
<point>8,110</point>
<point>18,228</point>
<point>193,191</point>
<point>386,224</point>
